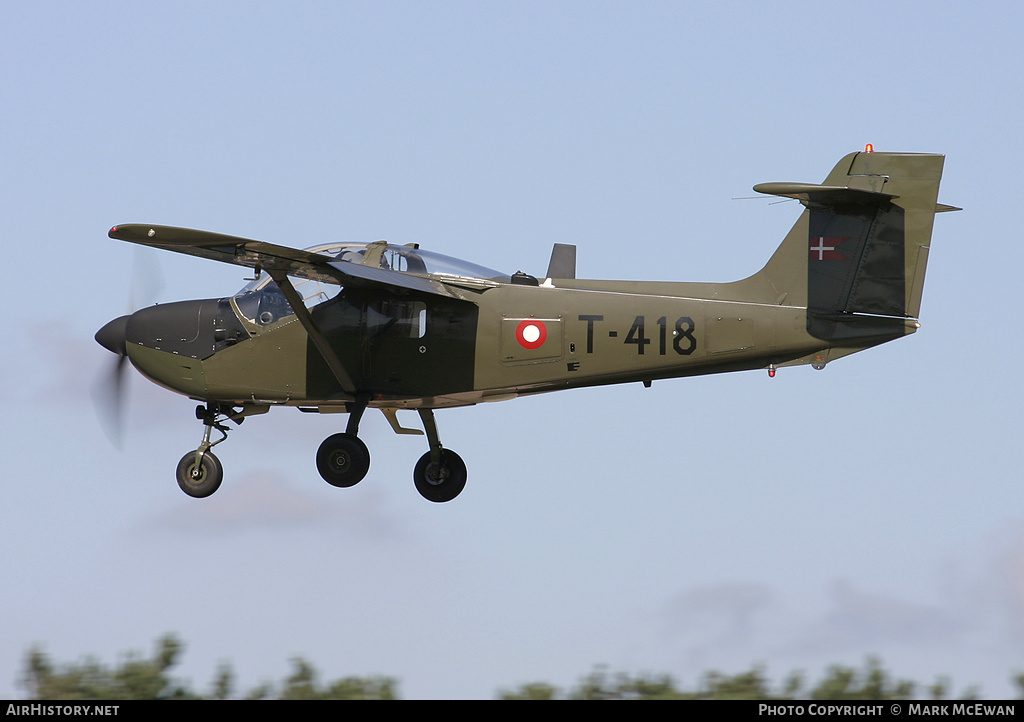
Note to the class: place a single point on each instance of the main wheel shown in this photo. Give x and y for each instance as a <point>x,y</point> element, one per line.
<point>342,460</point>
<point>202,480</point>
<point>442,481</point>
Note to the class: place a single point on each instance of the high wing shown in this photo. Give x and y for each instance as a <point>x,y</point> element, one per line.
<point>274,259</point>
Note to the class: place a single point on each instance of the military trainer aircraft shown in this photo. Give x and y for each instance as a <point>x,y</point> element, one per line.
<point>342,327</point>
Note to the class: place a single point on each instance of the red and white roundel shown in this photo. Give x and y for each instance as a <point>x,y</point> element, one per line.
<point>531,333</point>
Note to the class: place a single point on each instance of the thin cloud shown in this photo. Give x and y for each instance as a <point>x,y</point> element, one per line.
<point>266,501</point>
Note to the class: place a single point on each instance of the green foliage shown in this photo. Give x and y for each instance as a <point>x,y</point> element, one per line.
<point>600,685</point>
<point>137,677</point>
<point>532,690</point>
<point>840,683</point>
<point>302,684</point>
<point>846,683</point>
<point>223,683</point>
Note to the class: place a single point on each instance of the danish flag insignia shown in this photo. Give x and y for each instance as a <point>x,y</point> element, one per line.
<point>824,249</point>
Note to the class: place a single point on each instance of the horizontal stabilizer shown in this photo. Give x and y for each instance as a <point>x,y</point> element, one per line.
<point>811,193</point>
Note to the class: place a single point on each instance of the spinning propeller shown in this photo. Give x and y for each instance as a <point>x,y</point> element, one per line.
<point>109,394</point>
<point>111,391</point>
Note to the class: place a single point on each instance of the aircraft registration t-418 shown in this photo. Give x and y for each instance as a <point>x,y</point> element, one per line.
<point>343,327</point>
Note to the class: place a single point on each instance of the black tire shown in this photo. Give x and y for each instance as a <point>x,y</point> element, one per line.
<point>200,483</point>
<point>440,482</point>
<point>343,460</point>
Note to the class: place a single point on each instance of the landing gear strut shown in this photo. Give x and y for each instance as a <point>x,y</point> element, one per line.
<point>199,472</point>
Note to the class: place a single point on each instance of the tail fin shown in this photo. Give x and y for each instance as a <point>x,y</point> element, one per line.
<point>861,246</point>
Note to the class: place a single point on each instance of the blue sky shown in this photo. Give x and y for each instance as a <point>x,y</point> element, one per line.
<point>713,523</point>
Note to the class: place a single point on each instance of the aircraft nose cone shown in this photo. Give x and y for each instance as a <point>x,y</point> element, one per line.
<point>112,336</point>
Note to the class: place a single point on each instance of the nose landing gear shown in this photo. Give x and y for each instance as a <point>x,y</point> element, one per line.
<point>199,472</point>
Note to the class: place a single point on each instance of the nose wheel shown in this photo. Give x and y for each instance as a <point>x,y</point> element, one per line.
<point>199,472</point>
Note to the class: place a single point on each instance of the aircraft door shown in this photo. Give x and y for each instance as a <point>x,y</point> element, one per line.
<point>419,347</point>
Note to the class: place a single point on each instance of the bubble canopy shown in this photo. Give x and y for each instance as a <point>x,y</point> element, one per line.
<point>414,260</point>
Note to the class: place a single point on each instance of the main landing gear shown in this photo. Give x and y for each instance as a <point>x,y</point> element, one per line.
<point>343,460</point>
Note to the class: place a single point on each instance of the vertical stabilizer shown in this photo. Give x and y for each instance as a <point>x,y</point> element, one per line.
<point>859,250</point>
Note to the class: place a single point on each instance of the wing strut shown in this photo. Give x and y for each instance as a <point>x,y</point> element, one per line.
<point>317,336</point>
